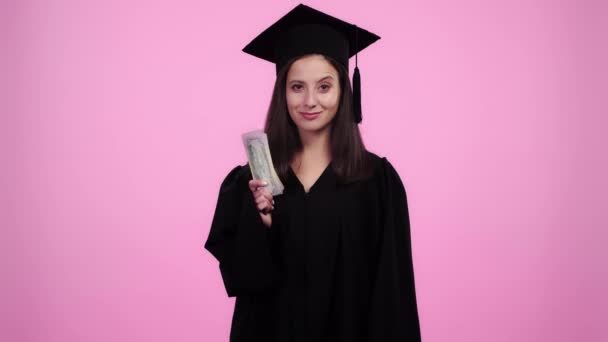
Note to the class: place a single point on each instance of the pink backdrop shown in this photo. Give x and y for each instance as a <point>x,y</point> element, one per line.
<point>121,118</point>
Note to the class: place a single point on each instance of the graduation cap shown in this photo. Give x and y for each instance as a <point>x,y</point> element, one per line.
<point>305,30</point>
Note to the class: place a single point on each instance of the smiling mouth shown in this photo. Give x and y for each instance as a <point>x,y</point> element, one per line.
<point>310,116</point>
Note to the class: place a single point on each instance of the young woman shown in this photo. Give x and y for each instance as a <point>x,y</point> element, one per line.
<point>330,258</point>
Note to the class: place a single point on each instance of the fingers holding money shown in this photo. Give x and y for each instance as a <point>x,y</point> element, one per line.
<point>254,184</point>
<point>263,198</point>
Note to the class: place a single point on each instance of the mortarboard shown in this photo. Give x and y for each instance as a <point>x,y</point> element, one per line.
<point>305,30</point>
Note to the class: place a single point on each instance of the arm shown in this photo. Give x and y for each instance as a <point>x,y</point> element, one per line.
<point>239,240</point>
<point>393,309</point>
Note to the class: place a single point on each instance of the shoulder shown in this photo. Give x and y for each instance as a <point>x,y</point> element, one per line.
<point>374,158</point>
<point>381,165</point>
<point>385,174</point>
<point>237,177</point>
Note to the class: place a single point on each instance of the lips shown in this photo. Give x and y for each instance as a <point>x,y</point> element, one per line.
<point>310,116</point>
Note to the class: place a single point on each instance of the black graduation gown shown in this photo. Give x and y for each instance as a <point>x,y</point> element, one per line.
<point>336,265</point>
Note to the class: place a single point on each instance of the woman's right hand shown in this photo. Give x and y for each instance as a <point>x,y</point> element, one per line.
<point>263,200</point>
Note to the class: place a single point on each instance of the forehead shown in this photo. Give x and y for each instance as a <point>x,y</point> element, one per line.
<point>311,67</point>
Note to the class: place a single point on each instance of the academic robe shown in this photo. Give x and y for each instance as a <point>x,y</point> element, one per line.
<point>336,264</point>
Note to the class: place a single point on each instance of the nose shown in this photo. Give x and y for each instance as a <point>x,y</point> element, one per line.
<point>310,100</point>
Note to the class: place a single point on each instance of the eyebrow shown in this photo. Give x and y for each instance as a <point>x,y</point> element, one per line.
<point>326,77</point>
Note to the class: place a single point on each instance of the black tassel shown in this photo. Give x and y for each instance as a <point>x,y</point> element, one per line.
<point>357,82</point>
<point>357,95</point>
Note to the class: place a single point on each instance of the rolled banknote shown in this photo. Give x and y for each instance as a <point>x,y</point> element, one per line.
<point>260,161</point>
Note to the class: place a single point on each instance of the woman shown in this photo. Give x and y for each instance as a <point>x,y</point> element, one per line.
<point>330,258</point>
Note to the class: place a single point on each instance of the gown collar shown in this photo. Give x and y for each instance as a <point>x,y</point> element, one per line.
<point>326,181</point>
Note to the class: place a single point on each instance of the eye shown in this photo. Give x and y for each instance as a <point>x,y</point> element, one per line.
<point>296,85</point>
<point>325,85</point>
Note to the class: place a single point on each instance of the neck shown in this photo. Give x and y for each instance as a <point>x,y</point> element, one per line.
<point>316,144</point>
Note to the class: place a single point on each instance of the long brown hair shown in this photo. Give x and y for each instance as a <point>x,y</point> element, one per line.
<point>350,158</point>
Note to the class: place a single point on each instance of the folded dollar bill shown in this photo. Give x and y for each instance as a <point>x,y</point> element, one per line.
<point>260,161</point>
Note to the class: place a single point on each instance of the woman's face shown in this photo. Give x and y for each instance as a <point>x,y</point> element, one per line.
<point>312,87</point>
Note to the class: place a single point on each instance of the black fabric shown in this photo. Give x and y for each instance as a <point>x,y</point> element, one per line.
<point>336,265</point>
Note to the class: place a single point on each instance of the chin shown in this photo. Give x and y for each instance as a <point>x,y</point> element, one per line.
<point>312,126</point>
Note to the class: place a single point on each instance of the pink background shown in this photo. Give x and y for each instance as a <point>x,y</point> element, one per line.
<point>121,118</point>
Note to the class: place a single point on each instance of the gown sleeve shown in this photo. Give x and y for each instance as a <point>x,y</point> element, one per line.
<point>239,240</point>
<point>393,312</point>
